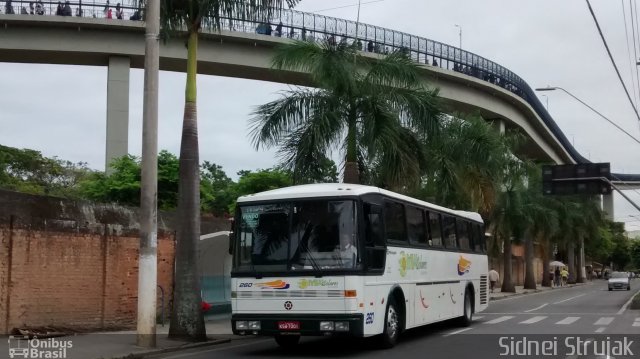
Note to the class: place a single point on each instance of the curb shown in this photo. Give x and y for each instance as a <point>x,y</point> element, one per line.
<point>529,291</point>
<point>176,348</point>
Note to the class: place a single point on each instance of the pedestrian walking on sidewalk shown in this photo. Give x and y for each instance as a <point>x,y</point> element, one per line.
<point>565,276</point>
<point>494,277</point>
<point>556,276</point>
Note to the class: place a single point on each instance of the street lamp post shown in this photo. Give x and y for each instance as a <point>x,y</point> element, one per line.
<point>459,34</point>
<point>553,88</point>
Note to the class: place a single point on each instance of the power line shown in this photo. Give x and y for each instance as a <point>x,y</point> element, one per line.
<point>631,59</point>
<point>346,6</point>
<point>634,28</point>
<point>604,41</point>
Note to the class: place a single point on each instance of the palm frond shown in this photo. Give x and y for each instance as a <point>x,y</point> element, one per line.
<point>192,15</point>
<point>274,121</point>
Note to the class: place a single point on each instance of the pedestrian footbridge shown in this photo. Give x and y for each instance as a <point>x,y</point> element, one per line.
<point>467,82</point>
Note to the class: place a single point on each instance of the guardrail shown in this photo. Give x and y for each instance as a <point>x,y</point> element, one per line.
<point>313,27</point>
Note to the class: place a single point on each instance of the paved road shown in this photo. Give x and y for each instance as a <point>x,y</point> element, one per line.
<point>589,311</point>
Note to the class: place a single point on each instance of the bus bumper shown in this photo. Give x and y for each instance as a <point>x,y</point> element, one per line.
<point>298,324</point>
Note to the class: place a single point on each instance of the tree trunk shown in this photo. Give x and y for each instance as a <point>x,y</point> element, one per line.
<point>571,261</point>
<point>187,319</point>
<point>507,281</point>
<point>351,173</point>
<point>529,275</point>
<point>579,263</point>
<point>546,259</point>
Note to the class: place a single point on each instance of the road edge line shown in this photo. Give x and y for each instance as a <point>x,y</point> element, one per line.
<point>626,305</point>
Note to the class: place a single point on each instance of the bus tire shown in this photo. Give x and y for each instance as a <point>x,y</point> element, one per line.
<point>392,325</point>
<point>467,306</point>
<point>287,341</point>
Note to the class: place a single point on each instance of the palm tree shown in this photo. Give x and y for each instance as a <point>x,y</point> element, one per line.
<point>466,163</point>
<point>374,110</point>
<point>188,17</point>
<point>542,224</point>
<point>508,218</point>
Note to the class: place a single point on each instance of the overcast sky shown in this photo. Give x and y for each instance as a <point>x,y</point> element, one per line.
<point>61,110</point>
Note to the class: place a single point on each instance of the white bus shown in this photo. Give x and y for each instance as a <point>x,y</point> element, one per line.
<point>342,259</point>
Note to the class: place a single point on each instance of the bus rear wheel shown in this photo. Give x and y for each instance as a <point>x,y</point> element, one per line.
<point>392,325</point>
<point>287,341</point>
<point>467,314</point>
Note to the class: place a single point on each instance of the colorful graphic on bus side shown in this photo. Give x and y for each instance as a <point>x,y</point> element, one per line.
<point>275,284</point>
<point>463,265</point>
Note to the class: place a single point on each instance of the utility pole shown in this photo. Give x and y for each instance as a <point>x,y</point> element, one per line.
<point>148,258</point>
<point>459,34</point>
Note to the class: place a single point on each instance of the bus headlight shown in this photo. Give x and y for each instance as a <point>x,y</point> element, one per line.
<point>342,326</point>
<point>241,325</point>
<point>254,325</point>
<point>326,326</point>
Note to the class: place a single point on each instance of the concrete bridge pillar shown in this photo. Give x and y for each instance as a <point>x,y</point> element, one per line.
<point>117,109</point>
<point>607,206</point>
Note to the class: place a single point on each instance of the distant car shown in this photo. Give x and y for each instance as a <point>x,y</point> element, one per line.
<point>619,280</point>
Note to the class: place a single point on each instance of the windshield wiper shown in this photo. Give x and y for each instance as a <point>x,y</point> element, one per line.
<point>303,243</point>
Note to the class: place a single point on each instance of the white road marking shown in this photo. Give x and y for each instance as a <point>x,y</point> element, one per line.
<point>478,317</point>
<point>601,329</point>
<point>624,307</point>
<point>499,320</point>
<point>457,332</point>
<point>604,321</point>
<point>568,299</point>
<point>568,320</point>
<point>536,308</point>
<point>636,323</point>
<point>533,320</point>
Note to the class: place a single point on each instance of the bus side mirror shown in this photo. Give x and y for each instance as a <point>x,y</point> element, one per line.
<point>231,236</point>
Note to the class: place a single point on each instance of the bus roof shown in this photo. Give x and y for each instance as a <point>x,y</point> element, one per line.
<point>344,189</point>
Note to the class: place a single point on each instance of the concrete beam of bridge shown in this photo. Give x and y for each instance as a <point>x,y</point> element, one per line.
<point>117,110</point>
<point>88,41</point>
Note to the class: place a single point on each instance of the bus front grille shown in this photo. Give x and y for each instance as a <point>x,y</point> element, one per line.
<point>483,289</point>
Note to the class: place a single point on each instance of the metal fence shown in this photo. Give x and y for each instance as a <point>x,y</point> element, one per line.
<point>313,27</point>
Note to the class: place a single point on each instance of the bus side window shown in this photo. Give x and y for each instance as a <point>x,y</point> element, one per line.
<point>416,226</point>
<point>482,239</point>
<point>376,251</point>
<point>436,231</point>
<point>463,234</point>
<point>395,223</point>
<point>449,232</point>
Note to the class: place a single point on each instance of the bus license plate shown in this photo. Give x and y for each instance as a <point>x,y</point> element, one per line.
<point>289,325</point>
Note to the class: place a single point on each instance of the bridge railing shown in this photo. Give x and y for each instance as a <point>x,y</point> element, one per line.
<point>314,27</point>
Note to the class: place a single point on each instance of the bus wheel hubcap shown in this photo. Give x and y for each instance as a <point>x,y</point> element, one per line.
<point>392,322</point>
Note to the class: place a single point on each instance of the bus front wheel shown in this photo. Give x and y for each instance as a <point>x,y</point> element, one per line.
<point>391,325</point>
<point>287,341</point>
<point>467,314</point>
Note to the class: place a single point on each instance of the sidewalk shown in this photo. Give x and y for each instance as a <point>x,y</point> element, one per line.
<point>122,344</point>
<point>497,294</point>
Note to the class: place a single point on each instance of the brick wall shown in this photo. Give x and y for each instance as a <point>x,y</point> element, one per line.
<point>74,265</point>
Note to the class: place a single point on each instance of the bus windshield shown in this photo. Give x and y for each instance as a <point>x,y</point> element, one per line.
<point>301,235</point>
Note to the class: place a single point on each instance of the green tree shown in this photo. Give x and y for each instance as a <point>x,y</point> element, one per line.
<point>122,186</point>
<point>190,16</point>
<point>217,190</point>
<point>620,255</point>
<point>373,110</point>
<point>635,254</point>
<point>28,171</point>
